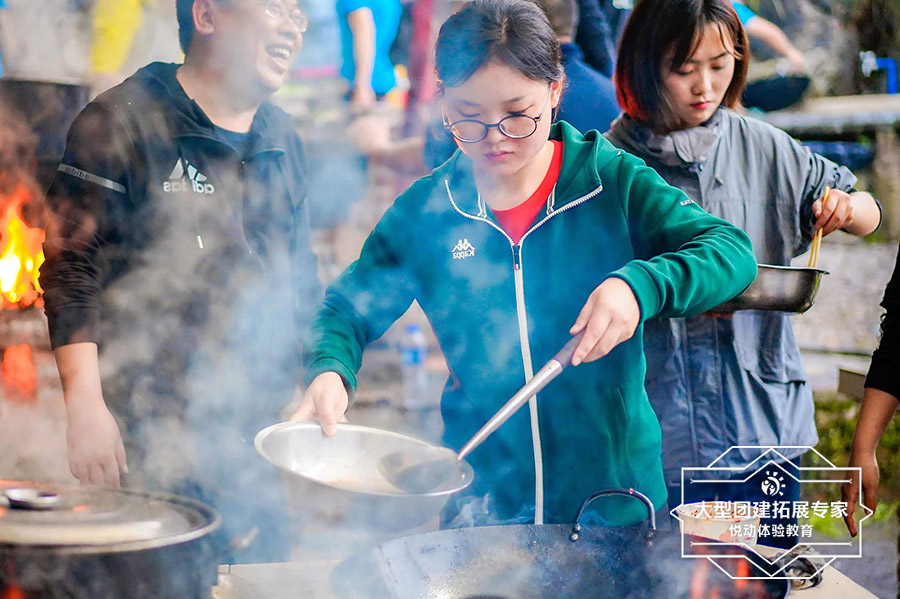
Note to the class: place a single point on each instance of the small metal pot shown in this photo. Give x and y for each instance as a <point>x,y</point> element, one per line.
<point>778,288</point>
<point>73,542</point>
<point>338,480</point>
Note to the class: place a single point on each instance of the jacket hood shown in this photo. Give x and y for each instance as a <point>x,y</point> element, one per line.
<point>683,147</point>
<point>584,157</point>
<point>270,124</point>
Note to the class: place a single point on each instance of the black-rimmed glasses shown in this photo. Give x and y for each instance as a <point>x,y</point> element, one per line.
<point>514,126</point>
<point>279,11</point>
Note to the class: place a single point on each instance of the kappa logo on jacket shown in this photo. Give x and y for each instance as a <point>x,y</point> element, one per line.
<point>192,180</point>
<point>463,249</point>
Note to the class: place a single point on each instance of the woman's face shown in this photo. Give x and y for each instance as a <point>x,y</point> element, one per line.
<point>494,92</point>
<point>696,89</point>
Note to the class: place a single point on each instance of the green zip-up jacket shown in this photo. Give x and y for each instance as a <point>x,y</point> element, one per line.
<point>501,310</point>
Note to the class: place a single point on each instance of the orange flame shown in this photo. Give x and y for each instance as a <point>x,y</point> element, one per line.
<point>18,372</point>
<point>20,254</point>
<point>698,580</point>
<point>743,571</point>
<point>13,592</point>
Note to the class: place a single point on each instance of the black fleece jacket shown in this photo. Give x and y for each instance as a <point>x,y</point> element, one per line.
<point>167,238</point>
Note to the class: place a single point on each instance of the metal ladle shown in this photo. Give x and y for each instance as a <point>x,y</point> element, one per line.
<point>425,469</point>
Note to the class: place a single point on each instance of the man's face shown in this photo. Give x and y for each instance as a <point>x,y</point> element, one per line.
<point>258,47</point>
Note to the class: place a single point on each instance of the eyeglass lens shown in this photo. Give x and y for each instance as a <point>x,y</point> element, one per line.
<point>515,126</point>
<point>277,10</point>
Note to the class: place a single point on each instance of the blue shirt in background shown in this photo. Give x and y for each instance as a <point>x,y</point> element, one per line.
<point>744,12</point>
<point>2,7</point>
<point>386,14</point>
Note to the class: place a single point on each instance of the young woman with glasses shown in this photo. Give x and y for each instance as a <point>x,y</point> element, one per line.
<point>529,234</point>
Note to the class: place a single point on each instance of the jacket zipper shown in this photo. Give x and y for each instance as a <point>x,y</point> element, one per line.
<point>241,176</point>
<point>522,319</point>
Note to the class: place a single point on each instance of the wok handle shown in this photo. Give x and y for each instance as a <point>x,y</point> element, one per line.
<point>651,512</point>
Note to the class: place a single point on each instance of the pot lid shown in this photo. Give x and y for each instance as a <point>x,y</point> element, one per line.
<point>97,518</point>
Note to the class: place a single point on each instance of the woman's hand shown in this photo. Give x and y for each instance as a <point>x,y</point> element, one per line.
<point>835,213</point>
<point>850,491</point>
<point>325,400</point>
<point>609,317</point>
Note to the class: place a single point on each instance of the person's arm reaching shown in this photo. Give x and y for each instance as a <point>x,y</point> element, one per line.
<point>879,404</point>
<point>358,308</point>
<point>362,24</point>
<point>856,213</point>
<point>772,35</point>
<point>878,407</point>
<point>686,262</point>
<point>115,25</point>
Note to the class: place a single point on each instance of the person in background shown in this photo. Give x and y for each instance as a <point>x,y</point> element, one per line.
<point>879,404</point>
<point>771,34</point>
<point>178,267</point>
<point>718,383</point>
<point>595,37</point>
<point>368,28</point>
<point>478,244</point>
<point>127,33</point>
<point>3,25</point>
<point>114,26</point>
<point>589,101</point>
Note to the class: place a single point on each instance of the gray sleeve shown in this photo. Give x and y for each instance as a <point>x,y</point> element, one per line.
<point>809,173</point>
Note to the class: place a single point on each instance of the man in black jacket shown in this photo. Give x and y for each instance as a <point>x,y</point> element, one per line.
<point>178,265</point>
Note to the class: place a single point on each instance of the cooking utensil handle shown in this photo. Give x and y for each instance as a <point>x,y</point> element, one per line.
<point>651,512</point>
<point>543,376</point>
<point>564,356</point>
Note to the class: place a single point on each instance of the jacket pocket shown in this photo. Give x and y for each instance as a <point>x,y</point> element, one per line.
<point>765,346</point>
<point>622,421</point>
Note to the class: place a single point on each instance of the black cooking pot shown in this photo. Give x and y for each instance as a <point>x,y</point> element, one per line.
<point>67,542</point>
<point>775,92</point>
<point>554,560</point>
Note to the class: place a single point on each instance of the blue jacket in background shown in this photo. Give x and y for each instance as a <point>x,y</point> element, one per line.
<point>589,100</point>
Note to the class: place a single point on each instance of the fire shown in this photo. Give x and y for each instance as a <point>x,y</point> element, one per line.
<point>13,592</point>
<point>698,580</point>
<point>743,571</point>
<point>20,253</point>
<point>18,372</point>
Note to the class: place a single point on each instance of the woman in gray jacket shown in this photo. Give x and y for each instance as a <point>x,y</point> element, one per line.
<point>718,383</point>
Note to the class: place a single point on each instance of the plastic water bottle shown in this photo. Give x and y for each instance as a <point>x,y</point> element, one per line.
<point>413,351</point>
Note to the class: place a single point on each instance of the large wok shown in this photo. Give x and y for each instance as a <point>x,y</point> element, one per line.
<point>540,561</point>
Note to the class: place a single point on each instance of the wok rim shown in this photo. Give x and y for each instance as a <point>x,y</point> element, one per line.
<point>351,563</point>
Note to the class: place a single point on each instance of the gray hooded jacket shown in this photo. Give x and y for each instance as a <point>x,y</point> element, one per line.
<point>717,383</point>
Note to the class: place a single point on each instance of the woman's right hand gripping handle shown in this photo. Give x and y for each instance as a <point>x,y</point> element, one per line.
<point>325,400</point>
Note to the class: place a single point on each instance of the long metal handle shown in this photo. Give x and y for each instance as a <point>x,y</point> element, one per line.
<point>543,376</point>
